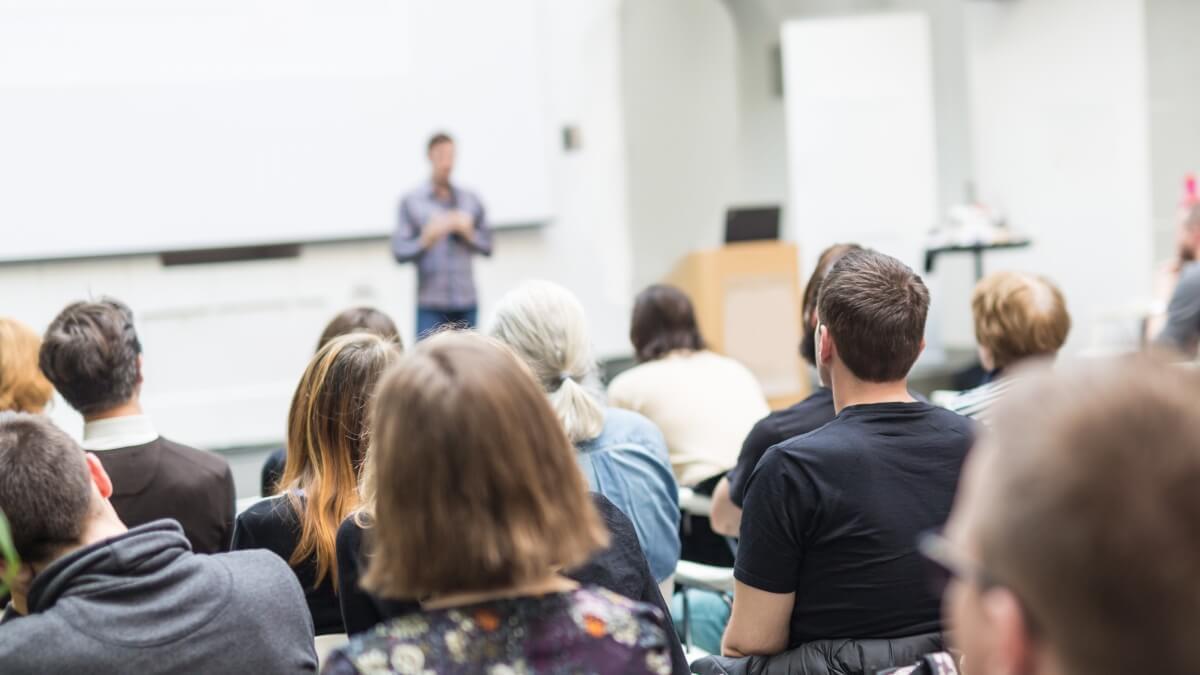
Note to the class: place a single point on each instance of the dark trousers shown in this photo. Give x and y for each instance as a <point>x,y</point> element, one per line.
<point>430,320</point>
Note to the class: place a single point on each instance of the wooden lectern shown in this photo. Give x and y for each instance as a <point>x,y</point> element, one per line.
<point>747,298</point>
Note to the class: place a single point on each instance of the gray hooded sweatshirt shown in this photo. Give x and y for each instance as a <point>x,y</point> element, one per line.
<point>143,603</point>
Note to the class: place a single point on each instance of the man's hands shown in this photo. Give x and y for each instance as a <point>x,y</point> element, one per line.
<point>448,223</point>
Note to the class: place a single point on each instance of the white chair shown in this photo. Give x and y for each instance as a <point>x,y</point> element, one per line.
<point>689,574</point>
<point>325,644</point>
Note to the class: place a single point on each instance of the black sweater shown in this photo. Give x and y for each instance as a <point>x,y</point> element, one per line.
<point>620,568</point>
<point>272,524</point>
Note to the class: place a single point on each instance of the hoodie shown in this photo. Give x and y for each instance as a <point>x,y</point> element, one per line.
<point>144,603</point>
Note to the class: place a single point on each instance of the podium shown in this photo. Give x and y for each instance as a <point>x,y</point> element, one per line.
<point>747,298</point>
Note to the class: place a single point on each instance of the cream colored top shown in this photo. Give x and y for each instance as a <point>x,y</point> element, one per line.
<point>703,402</point>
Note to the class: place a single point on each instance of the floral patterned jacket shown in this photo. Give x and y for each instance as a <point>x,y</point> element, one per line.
<point>588,630</point>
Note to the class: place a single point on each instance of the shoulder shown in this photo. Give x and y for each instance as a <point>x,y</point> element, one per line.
<point>266,513</point>
<point>600,613</point>
<point>954,422</point>
<point>259,573</point>
<point>349,534</point>
<point>627,426</point>
<point>199,464</point>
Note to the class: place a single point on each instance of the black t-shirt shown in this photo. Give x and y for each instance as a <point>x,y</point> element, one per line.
<point>834,515</point>
<point>620,568</point>
<point>272,524</point>
<point>808,415</point>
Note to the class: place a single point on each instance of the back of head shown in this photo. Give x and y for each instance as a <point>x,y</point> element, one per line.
<point>829,257</point>
<point>477,486</point>
<point>23,387</point>
<point>328,433</point>
<point>90,353</point>
<point>1089,510</point>
<point>1018,316</point>
<point>663,322</point>
<point>360,320</point>
<point>874,308</point>
<point>544,324</point>
<point>45,486</point>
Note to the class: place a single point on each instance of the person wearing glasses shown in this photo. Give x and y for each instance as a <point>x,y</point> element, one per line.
<point>829,533</point>
<point>1074,543</point>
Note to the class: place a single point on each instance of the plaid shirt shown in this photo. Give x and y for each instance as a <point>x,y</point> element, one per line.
<point>445,278</point>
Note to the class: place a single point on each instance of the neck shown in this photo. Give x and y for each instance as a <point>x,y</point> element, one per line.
<point>127,409</point>
<point>849,390</point>
<point>551,583</point>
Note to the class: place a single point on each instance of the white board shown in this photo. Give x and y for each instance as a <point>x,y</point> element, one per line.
<point>149,125</point>
<point>860,126</point>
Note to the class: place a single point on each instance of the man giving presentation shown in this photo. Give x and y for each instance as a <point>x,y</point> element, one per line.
<point>442,227</point>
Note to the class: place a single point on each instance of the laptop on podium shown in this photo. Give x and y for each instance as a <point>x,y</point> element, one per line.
<point>751,223</point>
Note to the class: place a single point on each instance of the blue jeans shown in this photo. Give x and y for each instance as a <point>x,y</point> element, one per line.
<point>431,320</point>
<point>708,615</point>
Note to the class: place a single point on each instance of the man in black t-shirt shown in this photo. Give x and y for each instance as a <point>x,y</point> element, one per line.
<point>828,536</point>
<point>811,413</point>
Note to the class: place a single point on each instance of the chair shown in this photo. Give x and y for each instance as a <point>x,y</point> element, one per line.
<point>325,644</point>
<point>691,574</point>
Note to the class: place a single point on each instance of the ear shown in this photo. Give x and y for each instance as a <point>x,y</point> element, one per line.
<point>1014,647</point>
<point>99,476</point>
<point>825,346</point>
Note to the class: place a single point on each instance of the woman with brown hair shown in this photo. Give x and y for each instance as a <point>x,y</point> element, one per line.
<point>500,508</point>
<point>23,387</point>
<point>327,438</point>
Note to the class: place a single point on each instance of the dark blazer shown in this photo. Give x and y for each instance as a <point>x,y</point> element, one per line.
<point>163,479</point>
<point>620,568</point>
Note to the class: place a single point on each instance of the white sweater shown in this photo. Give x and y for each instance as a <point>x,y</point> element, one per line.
<point>703,402</point>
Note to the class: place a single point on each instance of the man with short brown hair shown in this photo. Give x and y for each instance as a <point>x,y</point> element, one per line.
<point>828,535</point>
<point>92,355</point>
<point>1074,544</point>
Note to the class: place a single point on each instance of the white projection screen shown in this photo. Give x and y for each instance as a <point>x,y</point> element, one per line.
<point>132,126</point>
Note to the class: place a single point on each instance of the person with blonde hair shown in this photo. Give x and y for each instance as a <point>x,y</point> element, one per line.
<point>622,454</point>
<point>1017,317</point>
<point>500,508</point>
<point>23,387</point>
<point>327,439</point>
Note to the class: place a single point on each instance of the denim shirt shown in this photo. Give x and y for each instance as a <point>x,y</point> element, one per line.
<point>628,464</point>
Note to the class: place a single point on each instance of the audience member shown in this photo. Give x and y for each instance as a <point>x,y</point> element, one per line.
<point>1180,327</point>
<point>622,454</point>
<point>94,597</point>
<point>327,438</point>
<point>92,355</point>
<point>353,320</point>
<point>811,413</point>
<point>703,402</point>
<point>23,388</point>
<point>828,537</point>
<point>499,507</point>
<point>1073,547</point>
<point>1017,316</point>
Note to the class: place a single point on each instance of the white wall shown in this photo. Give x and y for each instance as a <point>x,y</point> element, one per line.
<point>225,344</point>
<point>1061,142</point>
<point>680,97</point>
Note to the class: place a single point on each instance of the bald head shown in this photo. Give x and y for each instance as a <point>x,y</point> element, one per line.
<point>1084,502</point>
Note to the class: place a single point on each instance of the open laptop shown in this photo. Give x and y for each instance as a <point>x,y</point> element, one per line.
<point>751,223</point>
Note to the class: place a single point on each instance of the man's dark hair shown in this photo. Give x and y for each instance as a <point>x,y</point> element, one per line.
<point>90,354</point>
<point>360,320</point>
<point>874,308</point>
<point>45,486</point>
<point>830,256</point>
<point>663,322</point>
<point>437,139</point>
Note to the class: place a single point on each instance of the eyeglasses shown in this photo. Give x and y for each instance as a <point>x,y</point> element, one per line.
<point>944,563</point>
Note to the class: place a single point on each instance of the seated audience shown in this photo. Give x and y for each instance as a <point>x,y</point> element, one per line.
<point>1017,316</point>
<point>92,355</point>
<point>327,438</point>
<point>1073,548</point>
<point>94,597</point>
<point>1178,288</point>
<point>703,402</point>
<point>23,388</point>
<point>500,506</point>
<point>828,536</point>
<point>811,413</point>
<point>622,454</point>
<point>353,320</point>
